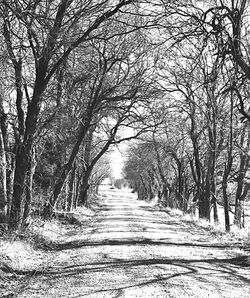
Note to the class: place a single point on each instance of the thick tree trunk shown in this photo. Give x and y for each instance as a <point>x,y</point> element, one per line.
<point>83,196</point>
<point>165,184</point>
<point>214,200</point>
<point>215,209</point>
<point>71,191</point>
<point>77,188</point>
<point>196,169</point>
<point>142,191</point>
<point>29,189</point>
<point>227,169</point>
<point>206,196</point>
<point>239,214</point>
<point>23,161</point>
<point>226,205</point>
<point>204,204</point>
<point>208,186</point>
<point>3,164</point>
<point>239,200</point>
<point>180,185</point>
<point>10,180</point>
<point>22,165</point>
<point>242,191</point>
<point>3,185</point>
<point>25,144</point>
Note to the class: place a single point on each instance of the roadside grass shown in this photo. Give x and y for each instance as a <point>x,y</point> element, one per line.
<point>23,251</point>
<point>235,235</point>
<point>27,249</point>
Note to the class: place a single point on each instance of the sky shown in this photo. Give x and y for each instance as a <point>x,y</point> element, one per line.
<point>119,153</point>
<point>117,161</point>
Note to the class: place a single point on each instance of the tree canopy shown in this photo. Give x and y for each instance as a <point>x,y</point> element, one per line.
<point>74,74</point>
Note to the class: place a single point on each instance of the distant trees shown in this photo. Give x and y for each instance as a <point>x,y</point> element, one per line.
<point>101,171</point>
<point>184,165</point>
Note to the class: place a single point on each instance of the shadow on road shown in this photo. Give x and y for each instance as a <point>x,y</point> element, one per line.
<point>121,242</point>
<point>215,268</point>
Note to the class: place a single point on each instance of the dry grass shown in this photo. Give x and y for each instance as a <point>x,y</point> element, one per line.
<point>235,235</point>
<point>22,252</point>
<point>25,250</point>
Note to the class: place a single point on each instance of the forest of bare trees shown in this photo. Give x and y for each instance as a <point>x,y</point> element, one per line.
<point>76,74</point>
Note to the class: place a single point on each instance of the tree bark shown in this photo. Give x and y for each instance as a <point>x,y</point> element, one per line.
<point>29,189</point>
<point>23,161</point>
<point>83,195</point>
<point>71,193</point>
<point>226,204</point>
<point>3,164</point>
<point>242,191</point>
<point>165,185</point>
<point>3,185</point>
<point>227,168</point>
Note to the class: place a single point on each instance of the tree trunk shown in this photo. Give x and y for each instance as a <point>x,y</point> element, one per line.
<point>142,191</point>
<point>239,214</point>
<point>20,176</point>
<point>165,184</point>
<point>83,196</point>
<point>3,185</point>
<point>25,147</point>
<point>3,164</point>
<point>227,169</point>
<point>238,196</point>
<point>226,205</point>
<point>71,194</point>
<point>241,192</point>
<point>23,161</point>
<point>180,185</point>
<point>10,179</point>
<point>77,188</point>
<point>196,169</point>
<point>204,204</point>
<point>215,209</point>
<point>214,200</point>
<point>206,195</point>
<point>29,189</point>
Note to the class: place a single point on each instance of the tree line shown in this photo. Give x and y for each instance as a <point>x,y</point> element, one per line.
<point>74,73</point>
<point>198,156</point>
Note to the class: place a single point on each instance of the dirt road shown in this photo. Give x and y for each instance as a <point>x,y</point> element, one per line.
<point>134,250</point>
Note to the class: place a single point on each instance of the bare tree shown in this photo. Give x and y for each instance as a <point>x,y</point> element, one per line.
<point>3,165</point>
<point>42,42</point>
